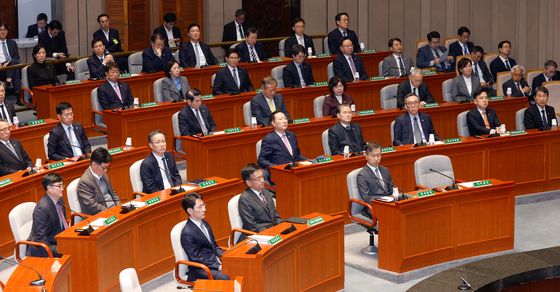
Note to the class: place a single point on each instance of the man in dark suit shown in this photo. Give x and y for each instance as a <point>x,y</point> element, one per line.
<point>503,62</point>
<point>7,110</point>
<point>54,41</point>
<point>195,118</point>
<point>156,56</point>
<point>396,64</point>
<point>374,181</point>
<point>250,50</point>
<point>345,133</point>
<point>113,94</point>
<point>298,73</point>
<point>279,146</point>
<point>340,32</point>
<point>170,33</point>
<point>95,192</point>
<point>9,55</point>
<point>232,79</point>
<point>67,139</point>
<point>481,71</point>
<point>518,85</point>
<point>13,157</point>
<point>414,85</point>
<point>37,28</point>
<point>98,60</point>
<point>348,65</point>
<point>265,103</point>
<point>256,204</point>
<point>201,57</point>
<point>198,241</point>
<point>482,120</point>
<point>158,171</point>
<point>433,55</point>
<point>413,127</point>
<point>462,47</point>
<point>540,114</point>
<point>298,38</point>
<point>111,40</point>
<point>549,73</point>
<point>235,30</point>
<point>49,217</point>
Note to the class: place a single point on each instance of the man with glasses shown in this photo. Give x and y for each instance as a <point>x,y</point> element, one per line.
<point>256,205</point>
<point>347,64</point>
<point>67,139</point>
<point>13,157</point>
<point>158,171</point>
<point>414,85</point>
<point>95,192</point>
<point>49,217</point>
<point>231,79</point>
<point>112,93</point>
<point>298,73</point>
<point>413,127</point>
<point>374,181</point>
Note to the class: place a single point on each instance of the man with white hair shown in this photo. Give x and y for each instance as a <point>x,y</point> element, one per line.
<point>517,84</point>
<point>414,85</point>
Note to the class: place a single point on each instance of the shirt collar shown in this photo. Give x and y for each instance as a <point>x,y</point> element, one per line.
<point>93,173</point>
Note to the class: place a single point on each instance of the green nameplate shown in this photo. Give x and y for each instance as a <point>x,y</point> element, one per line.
<point>207,183</point>
<point>377,78</point>
<point>36,122</point>
<point>153,200</point>
<point>496,97</point>
<point>429,105</point>
<point>207,96</point>
<point>148,104</point>
<point>515,133</point>
<point>232,130</point>
<point>276,239</point>
<point>258,90</point>
<point>324,55</point>
<point>366,112</point>
<point>124,75</point>
<point>301,121</point>
<point>222,64</point>
<point>315,221</point>
<point>275,59</point>
<point>5,182</point>
<point>324,83</point>
<point>56,165</point>
<point>452,140</point>
<point>115,150</point>
<point>388,149</point>
<point>482,183</point>
<point>369,51</point>
<point>70,82</point>
<point>426,193</point>
<point>425,73</point>
<point>324,159</point>
<point>110,220</point>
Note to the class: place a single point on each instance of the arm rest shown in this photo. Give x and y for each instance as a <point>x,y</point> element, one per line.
<point>96,126</point>
<point>40,244</point>
<point>74,215</point>
<point>232,235</point>
<point>360,221</point>
<point>192,264</point>
<point>22,98</point>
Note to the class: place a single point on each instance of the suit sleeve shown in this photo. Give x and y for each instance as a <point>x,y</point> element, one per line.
<point>455,91</point>
<point>473,123</point>
<point>52,145</point>
<point>218,83</point>
<point>41,225</point>
<point>397,131</point>
<point>86,194</point>
<point>423,61</point>
<point>166,92</point>
<point>183,124</point>
<point>266,151</point>
<point>337,68</point>
<point>428,98</point>
<point>363,187</point>
<point>246,214</point>
<point>257,113</point>
<point>95,71</point>
<point>191,247</point>
<point>334,143</point>
<point>333,46</point>
<point>211,121</point>
<point>29,33</point>
<point>287,78</point>
<point>147,177</point>
<point>147,63</point>
<point>385,69</point>
<point>528,120</point>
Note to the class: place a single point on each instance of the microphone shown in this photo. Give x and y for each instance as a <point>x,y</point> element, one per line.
<point>452,187</point>
<point>255,249</point>
<point>289,229</point>
<point>39,282</point>
<point>173,191</point>
<point>464,285</point>
<point>85,231</point>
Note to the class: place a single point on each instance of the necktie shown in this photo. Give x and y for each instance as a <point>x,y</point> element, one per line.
<point>401,65</point>
<point>104,187</point>
<point>519,88</point>
<point>485,118</point>
<point>300,72</point>
<point>465,50</point>
<point>508,66</point>
<point>287,144</point>
<point>2,111</point>
<point>437,53</point>
<point>544,120</point>
<point>201,122</point>
<point>378,174</point>
<point>261,196</point>
<point>236,78</point>
<point>118,91</point>
<point>352,138</point>
<point>300,41</point>
<point>415,90</point>
<point>476,70</point>
<point>197,55</point>
<point>417,133</point>
<point>353,67</point>
<point>5,51</point>
<point>205,231</point>
<point>9,145</point>
<point>271,104</point>
<point>76,150</point>
<point>344,34</point>
<point>60,211</point>
<point>167,173</point>
<point>253,55</point>
<point>241,31</point>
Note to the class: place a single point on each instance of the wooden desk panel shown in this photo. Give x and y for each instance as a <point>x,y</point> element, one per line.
<point>59,281</point>
<point>30,189</point>
<point>139,239</point>
<point>31,138</point>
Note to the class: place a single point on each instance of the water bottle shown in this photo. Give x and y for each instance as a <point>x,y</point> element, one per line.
<point>38,164</point>
<point>253,122</point>
<point>136,102</point>
<point>362,46</point>
<point>353,108</point>
<point>508,91</point>
<point>554,123</point>
<point>128,143</point>
<point>346,152</point>
<point>309,52</point>
<point>431,139</point>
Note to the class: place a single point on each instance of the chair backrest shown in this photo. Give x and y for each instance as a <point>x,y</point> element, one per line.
<point>325,140</point>
<point>281,52</point>
<point>233,46</point>
<point>21,220</point>
<point>531,74</point>
<point>421,43</point>
<point>258,147</point>
<point>234,217</point>
<point>45,143</point>
<point>135,63</point>
<point>388,96</point>
<point>446,90</point>
<point>276,73</point>
<point>449,40</point>
<point>81,69</point>
<point>73,202</point>
<point>178,250</point>
<point>427,178</point>
<point>489,57</point>
<point>326,49</point>
<point>353,192</point>
<point>318,106</point>
<point>158,97</point>
<point>380,68</point>
<point>247,113</point>
<point>330,70</point>
<point>25,83</point>
<point>392,131</point>
<point>519,116</point>
<point>502,78</point>
<point>96,106</point>
<point>128,280</point>
<point>553,93</point>
<point>134,173</point>
<point>462,127</point>
<point>176,132</point>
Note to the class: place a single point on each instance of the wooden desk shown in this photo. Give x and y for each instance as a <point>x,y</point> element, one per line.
<point>30,189</point>
<point>59,281</point>
<point>532,161</point>
<point>309,259</point>
<point>31,137</point>
<point>139,239</point>
<point>236,150</point>
<point>217,285</point>
<point>447,226</point>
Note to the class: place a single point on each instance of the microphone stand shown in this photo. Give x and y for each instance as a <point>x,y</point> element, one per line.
<point>453,186</point>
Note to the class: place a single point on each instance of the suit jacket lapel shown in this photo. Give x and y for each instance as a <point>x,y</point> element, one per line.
<point>257,199</point>
<point>7,150</point>
<point>65,137</point>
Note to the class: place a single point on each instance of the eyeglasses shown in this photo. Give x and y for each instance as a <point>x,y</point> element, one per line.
<point>60,186</point>
<point>376,155</point>
<point>258,178</point>
<point>412,103</point>
<point>103,167</point>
